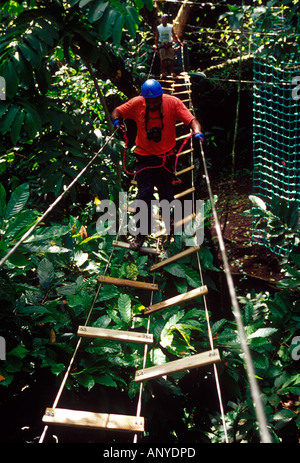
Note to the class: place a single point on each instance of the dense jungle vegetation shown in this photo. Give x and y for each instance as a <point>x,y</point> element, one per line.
<point>66,65</point>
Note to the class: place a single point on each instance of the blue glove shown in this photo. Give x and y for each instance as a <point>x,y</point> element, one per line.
<point>199,136</point>
<point>116,123</point>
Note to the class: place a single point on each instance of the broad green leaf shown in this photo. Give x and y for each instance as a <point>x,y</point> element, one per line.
<point>86,380</point>
<point>49,233</point>
<point>2,201</point>
<point>124,306</point>
<point>107,23</point>
<point>30,55</point>
<point>192,277</point>
<point>102,322</point>
<point>11,79</point>
<point>7,121</point>
<point>263,333</point>
<point>16,127</point>
<point>105,381</point>
<point>17,200</point>
<point>83,3</point>
<point>257,202</point>
<point>118,29</point>
<point>18,351</point>
<point>3,108</point>
<point>32,122</point>
<point>176,270</point>
<point>45,272</point>
<point>131,25</point>
<point>97,11</point>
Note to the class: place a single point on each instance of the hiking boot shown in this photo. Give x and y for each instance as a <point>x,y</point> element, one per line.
<point>137,243</point>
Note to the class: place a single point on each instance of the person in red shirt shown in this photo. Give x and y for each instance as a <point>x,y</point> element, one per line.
<point>155,114</point>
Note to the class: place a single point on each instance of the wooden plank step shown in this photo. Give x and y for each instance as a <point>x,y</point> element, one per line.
<point>182,136</point>
<point>125,282</point>
<point>144,249</point>
<point>182,92</point>
<point>186,363</point>
<point>184,193</point>
<point>184,221</point>
<point>114,335</point>
<point>185,152</point>
<point>184,171</point>
<point>178,256</point>
<point>132,210</point>
<point>82,419</point>
<point>177,299</point>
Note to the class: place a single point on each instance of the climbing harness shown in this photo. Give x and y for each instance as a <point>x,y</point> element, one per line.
<point>162,156</point>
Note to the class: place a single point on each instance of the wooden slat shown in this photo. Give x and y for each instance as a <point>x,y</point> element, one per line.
<point>82,419</point>
<point>177,299</point>
<point>184,193</point>
<point>182,137</point>
<point>185,152</point>
<point>144,249</point>
<point>184,171</point>
<point>182,92</point>
<point>132,210</point>
<point>187,363</point>
<point>115,335</point>
<point>125,282</point>
<point>178,256</point>
<point>183,221</point>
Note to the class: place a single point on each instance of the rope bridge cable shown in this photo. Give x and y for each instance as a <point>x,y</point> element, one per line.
<point>255,393</point>
<point>52,206</point>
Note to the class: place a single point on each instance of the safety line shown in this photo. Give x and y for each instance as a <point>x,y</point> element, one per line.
<point>216,375</point>
<point>139,404</point>
<point>52,206</point>
<point>254,389</point>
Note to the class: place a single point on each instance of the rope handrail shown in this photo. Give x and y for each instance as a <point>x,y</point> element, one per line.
<point>254,389</point>
<point>52,206</point>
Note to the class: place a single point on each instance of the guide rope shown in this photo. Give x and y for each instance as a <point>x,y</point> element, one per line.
<point>254,389</point>
<point>54,204</point>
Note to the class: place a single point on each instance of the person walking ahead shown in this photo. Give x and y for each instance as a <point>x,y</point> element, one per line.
<point>155,114</point>
<point>164,37</point>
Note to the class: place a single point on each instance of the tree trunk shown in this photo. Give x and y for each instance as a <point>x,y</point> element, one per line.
<point>182,18</point>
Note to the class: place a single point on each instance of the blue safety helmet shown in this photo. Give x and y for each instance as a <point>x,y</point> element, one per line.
<point>151,89</point>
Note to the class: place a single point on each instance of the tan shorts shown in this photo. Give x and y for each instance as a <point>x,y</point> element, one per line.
<point>166,52</point>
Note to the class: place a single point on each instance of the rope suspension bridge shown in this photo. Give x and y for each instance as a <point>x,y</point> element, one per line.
<point>137,424</point>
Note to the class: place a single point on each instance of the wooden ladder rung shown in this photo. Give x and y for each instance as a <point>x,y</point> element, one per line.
<point>115,335</point>
<point>186,363</point>
<point>132,210</point>
<point>185,152</point>
<point>82,419</point>
<point>184,171</point>
<point>182,92</point>
<point>184,221</point>
<point>182,137</point>
<point>184,193</point>
<point>177,299</point>
<point>178,256</point>
<point>144,249</point>
<point>124,282</point>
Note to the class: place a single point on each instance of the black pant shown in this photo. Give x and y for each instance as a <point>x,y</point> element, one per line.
<point>148,175</point>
